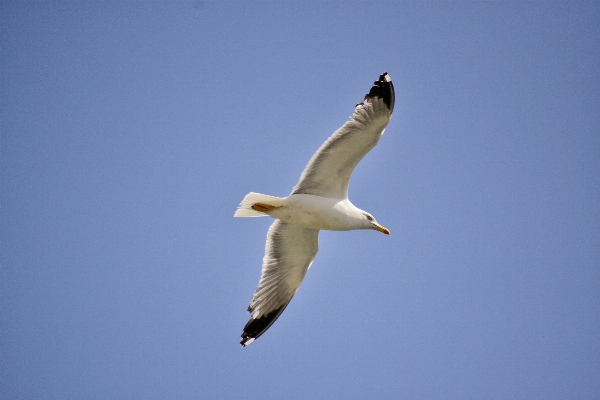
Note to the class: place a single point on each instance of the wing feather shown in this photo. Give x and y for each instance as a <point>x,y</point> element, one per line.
<point>329,170</point>
<point>289,252</point>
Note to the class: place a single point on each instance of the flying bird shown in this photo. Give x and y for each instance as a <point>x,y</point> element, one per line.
<point>318,201</point>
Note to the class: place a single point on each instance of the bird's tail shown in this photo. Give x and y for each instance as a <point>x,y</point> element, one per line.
<point>257,205</point>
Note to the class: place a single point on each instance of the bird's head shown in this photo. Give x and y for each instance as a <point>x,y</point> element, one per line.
<point>371,223</point>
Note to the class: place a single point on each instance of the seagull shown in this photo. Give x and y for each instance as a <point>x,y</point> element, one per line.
<point>318,201</point>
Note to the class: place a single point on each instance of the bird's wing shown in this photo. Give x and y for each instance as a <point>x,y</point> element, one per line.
<point>328,171</point>
<point>289,252</point>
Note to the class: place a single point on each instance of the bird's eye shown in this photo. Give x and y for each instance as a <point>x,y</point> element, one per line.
<point>369,218</point>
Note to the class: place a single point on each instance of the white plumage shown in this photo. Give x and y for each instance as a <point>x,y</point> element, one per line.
<point>318,201</point>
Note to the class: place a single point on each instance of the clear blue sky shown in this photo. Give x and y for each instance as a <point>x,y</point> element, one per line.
<point>130,132</point>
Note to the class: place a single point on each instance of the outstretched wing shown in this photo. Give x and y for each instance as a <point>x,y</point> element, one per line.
<point>328,171</point>
<point>289,252</point>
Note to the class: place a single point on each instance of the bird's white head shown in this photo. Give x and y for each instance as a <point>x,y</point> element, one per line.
<point>371,223</point>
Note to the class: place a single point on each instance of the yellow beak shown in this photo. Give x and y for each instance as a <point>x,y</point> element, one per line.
<point>382,229</point>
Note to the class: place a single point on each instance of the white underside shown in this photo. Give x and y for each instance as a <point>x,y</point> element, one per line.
<point>307,210</point>
<point>319,212</point>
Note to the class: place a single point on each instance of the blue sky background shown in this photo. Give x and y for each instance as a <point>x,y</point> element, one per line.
<point>131,131</point>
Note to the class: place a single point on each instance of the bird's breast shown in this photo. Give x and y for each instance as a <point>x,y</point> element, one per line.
<point>313,212</point>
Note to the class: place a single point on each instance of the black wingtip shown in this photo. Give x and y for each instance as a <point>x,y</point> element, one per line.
<point>256,327</point>
<point>384,89</point>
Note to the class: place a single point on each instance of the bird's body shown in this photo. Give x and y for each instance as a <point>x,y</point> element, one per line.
<point>312,211</point>
<point>318,201</point>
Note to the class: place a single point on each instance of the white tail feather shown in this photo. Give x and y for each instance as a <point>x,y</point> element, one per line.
<point>245,207</point>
